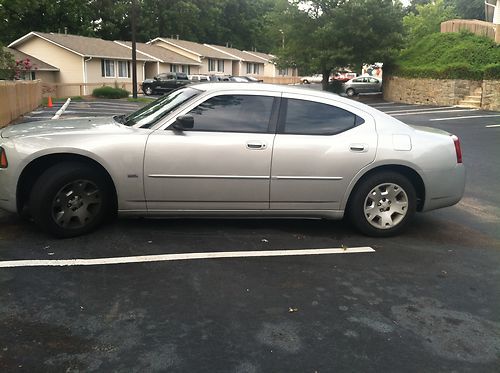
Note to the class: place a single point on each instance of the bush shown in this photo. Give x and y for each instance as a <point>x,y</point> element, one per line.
<point>110,92</point>
<point>492,71</point>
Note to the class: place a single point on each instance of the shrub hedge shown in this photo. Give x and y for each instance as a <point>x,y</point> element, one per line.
<point>450,55</point>
<point>110,92</point>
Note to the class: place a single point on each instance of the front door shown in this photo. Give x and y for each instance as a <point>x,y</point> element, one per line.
<point>319,148</point>
<point>222,163</point>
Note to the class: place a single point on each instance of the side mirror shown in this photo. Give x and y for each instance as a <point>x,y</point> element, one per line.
<point>155,78</point>
<point>183,122</point>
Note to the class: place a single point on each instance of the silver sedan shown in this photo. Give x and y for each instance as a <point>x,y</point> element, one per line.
<point>230,149</point>
<point>362,84</point>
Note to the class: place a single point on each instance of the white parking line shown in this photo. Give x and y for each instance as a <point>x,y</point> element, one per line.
<point>467,117</point>
<point>420,109</point>
<point>185,256</point>
<point>385,103</point>
<point>493,126</point>
<point>391,107</point>
<point>432,112</point>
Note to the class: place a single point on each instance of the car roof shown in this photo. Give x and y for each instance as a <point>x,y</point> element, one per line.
<point>264,87</point>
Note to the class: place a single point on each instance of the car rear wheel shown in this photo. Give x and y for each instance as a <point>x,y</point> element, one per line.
<point>350,92</point>
<point>383,204</point>
<point>305,81</point>
<point>148,91</point>
<point>70,199</point>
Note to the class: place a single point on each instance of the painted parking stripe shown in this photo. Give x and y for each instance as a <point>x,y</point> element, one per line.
<point>432,112</point>
<point>467,117</point>
<point>493,126</point>
<point>385,103</point>
<point>391,107</point>
<point>185,256</point>
<point>420,109</point>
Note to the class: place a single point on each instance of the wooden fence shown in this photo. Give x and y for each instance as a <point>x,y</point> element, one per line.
<point>17,98</point>
<point>473,25</point>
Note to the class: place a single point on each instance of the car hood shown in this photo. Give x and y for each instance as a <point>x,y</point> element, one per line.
<point>148,81</point>
<point>64,126</point>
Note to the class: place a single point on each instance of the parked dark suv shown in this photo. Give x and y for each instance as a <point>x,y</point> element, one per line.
<point>163,83</point>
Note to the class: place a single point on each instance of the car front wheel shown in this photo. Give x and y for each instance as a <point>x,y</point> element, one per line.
<point>350,92</point>
<point>383,204</point>
<point>70,199</point>
<point>148,91</point>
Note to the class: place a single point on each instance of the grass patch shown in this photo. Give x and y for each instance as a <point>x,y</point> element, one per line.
<point>450,55</point>
<point>110,92</point>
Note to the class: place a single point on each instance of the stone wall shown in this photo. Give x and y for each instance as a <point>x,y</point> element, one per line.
<point>441,91</point>
<point>491,95</point>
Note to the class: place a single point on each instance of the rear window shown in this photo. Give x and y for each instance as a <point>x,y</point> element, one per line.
<point>314,118</point>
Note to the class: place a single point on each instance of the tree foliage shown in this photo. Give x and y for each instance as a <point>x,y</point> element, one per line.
<point>239,23</point>
<point>427,20</point>
<point>323,35</point>
<point>7,64</point>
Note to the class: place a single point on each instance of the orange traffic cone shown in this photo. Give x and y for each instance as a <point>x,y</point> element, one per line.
<point>49,102</point>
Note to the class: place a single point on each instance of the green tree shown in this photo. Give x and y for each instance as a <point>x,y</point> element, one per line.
<point>427,20</point>
<point>468,9</point>
<point>7,64</point>
<point>327,35</point>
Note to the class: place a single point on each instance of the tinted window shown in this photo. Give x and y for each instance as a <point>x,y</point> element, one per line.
<point>233,113</point>
<point>313,118</point>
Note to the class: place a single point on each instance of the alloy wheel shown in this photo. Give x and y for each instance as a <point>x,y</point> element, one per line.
<point>386,205</point>
<point>76,204</point>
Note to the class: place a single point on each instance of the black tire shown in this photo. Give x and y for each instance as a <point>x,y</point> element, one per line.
<point>148,91</point>
<point>305,81</point>
<point>71,199</point>
<point>350,92</point>
<point>387,218</point>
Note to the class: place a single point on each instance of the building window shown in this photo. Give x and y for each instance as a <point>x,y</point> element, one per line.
<point>253,68</point>
<point>180,68</point>
<point>123,69</point>
<point>212,64</point>
<point>220,66</point>
<point>215,65</point>
<point>108,68</point>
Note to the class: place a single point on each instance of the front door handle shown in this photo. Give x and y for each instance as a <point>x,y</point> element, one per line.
<point>359,148</point>
<point>256,145</point>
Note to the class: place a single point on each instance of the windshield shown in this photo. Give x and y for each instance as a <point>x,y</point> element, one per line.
<point>150,114</point>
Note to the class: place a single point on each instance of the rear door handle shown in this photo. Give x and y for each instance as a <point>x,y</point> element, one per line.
<point>256,145</point>
<point>359,148</point>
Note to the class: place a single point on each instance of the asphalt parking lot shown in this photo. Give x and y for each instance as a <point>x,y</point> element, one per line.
<point>425,301</point>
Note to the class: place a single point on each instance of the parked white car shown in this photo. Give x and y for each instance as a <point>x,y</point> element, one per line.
<point>316,78</point>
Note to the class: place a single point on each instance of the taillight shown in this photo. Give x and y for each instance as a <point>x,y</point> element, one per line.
<point>458,149</point>
<point>3,159</point>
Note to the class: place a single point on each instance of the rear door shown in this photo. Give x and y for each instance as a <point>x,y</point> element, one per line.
<point>319,147</point>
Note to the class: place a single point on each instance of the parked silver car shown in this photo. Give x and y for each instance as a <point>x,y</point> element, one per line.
<point>230,149</point>
<point>362,84</point>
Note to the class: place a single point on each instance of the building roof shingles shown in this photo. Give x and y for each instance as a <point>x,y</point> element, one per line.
<point>198,48</point>
<point>91,47</point>
<point>244,56</point>
<point>162,54</point>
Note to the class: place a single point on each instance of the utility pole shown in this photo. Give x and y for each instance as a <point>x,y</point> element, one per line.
<point>134,48</point>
